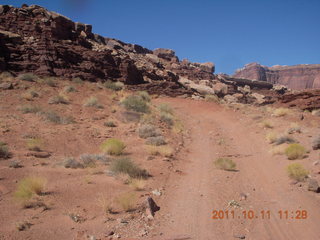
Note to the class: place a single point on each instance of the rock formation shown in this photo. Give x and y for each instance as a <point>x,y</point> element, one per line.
<point>304,76</point>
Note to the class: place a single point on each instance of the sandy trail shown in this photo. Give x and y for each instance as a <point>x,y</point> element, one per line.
<point>190,198</point>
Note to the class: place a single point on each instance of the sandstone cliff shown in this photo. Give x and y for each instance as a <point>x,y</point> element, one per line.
<point>302,76</point>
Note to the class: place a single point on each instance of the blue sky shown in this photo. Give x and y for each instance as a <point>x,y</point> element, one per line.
<point>229,33</point>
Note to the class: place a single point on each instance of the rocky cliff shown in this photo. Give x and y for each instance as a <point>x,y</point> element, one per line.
<point>303,76</point>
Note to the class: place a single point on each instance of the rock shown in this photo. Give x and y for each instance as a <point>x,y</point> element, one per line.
<point>230,99</point>
<point>167,54</point>
<point>240,236</point>
<point>6,86</point>
<point>220,89</point>
<point>156,192</point>
<point>38,154</point>
<point>281,89</point>
<point>207,67</point>
<point>245,90</point>
<point>151,208</point>
<point>260,99</point>
<point>313,185</point>
<point>316,143</point>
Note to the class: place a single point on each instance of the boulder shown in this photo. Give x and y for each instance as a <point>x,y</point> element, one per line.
<point>230,99</point>
<point>151,207</point>
<point>316,143</point>
<point>313,185</point>
<point>220,89</point>
<point>260,99</point>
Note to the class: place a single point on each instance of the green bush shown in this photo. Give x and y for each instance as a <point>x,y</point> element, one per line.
<point>29,77</point>
<point>297,172</point>
<point>116,86</point>
<point>113,146</point>
<point>126,166</point>
<point>136,103</point>
<point>225,164</point>
<point>295,151</point>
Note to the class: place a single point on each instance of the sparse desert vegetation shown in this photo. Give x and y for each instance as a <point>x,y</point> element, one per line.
<point>34,144</point>
<point>136,103</point>
<point>115,86</point>
<point>295,151</point>
<point>127,201</point>
<point>127,166</point>
<point>225,164</point>
<point>29,77</point>
<point>28,108</point>
<point>113,146</point>
<point>4,151</point>
<point>59,99</point>
<point>280,112</point>
<point>297,172</point>
<point>93,102</point>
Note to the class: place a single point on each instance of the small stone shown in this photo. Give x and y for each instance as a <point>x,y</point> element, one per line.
<point>313,185</point>
<point>156,192</point>
<point>240,236</point>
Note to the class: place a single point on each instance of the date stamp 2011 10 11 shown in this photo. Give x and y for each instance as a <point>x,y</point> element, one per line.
<point>263,214</point>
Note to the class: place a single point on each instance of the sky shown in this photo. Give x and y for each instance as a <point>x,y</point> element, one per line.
<point>229,33</point>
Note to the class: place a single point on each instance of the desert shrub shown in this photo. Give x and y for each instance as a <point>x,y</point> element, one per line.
<point>136,103</point>
<point>127,201</point>
<point>127,166</point>
<point>148,130</point>
<point>53,117</point>
<point>93,102</point>
<point>90,160</point>
<point>15,164</point>
<point>59,99</point>
<point>34,144</point>
<point>77,80</point>
<point>165,108</point>
<point>113,146</point>
<point>211,98</point>
<point>110,124</point>
<point>28,187</point>
<point>68,89</point>
<point>29,77</point>
<point>271,137</point>
<point>137,184</point>
<point>115,86</point>
<point>50,81</point>
<point>316,143</point>
<point>316,112</point>
<point>105,203</point>
<point>284,139</point>
<point>165,151</point>
<point>144,95</point>
<point>4,151</point>
<point>280,112</point>
<point>30,95</point>
<point>5,75</point>
<point>295,151</point>
<point>266,124</point>
<point>278,150</point>
<point>167,118</point>
<point>225,164</point>
<point>156,141</point>
<point>294,128</point>
<point>71,162</point>
<point>29,108</point>
<point>297,172</point>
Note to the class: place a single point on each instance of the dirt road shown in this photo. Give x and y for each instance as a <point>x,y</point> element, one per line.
<point>260,184</point>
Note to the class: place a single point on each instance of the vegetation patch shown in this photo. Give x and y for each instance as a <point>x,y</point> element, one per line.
<point>113,146</point>
<point>165,151</point>
<point>71,162</point>
<point>59,99</point>
<point>93,102</point>
<point>53,117</point>
<point>266,124</point>
<point>295,151</point>
<point>148,130</point>
<point>4,151</point>
<point>50,81</point>
<point>110,124</point>
<point>127,166</point>
<point>30,95</point>
<point>271,137</point>
<point>145,96</point>
<point>156,141</point>
<point>136,103</point>
<point>280,112</point>
<point>70,88</point>
<point>115,86</point>
<point>297,172</point>
<point>225,164</point>
<point>127,201</point>
<point>284,139</point>
<point>29,77</point>
<point>34,144</point>
<point>28,108</point>
<point>138,184</point>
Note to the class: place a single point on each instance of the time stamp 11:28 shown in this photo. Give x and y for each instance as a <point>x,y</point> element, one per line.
<point>263,214</point>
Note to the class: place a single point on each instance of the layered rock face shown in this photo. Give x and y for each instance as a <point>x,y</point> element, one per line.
<point>305,76</point>
<point>33,39</point>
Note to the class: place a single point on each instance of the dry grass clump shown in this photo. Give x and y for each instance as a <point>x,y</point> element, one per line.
<point>316,143</point>
<point>105,203</point>
<point>295,151</point>
<point>50,81</point>
<point>156,141</point>
<point>115,86</point>
<point>148,130</point>
<point>28,108</point>
<point>53,117</point>
<point>280,112</point>
<point>127,166</point>
<point>138,184</point>
<point>59,99</point>
<point>225,164</point>
<point>34,144</point>
<point>127,201</point>
<point>5,76</point>
<point>284,139</point>
<point>136,103</point>
<point>278,150</point>
<point>294,128</point>
<point>211,98</point>
<point>113,146</point>
<point>28,187</point>
<point>71,162</point>
<point>77,80</point>
<point>271,137</point>
<point>266,124</point>
<point>93,102</point>
<point>29,77</point>
<point>297,172</point>
<point>144,95</point>
<point>30,95</point>
<point>4,151</point>
<point>110,124</point>
<point>165,151</point>
<point>166,114</point>
<point>68,89</point>
<point>165,108</point>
